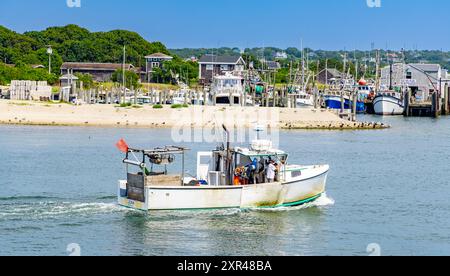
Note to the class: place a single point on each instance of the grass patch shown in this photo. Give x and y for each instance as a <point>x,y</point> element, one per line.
<point>124,105</point>
<point>176,106</point>
<point>158,106</point>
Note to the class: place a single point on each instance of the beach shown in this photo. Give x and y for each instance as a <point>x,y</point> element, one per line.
<point>62,114</point>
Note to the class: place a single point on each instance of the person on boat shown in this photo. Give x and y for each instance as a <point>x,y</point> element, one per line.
<point>271,171</point>
<point>251,169</point>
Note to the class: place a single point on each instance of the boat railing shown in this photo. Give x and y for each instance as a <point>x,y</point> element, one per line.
<point>158,156</point>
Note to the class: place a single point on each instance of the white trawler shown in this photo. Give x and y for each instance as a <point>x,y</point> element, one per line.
<point>229,89</point>
<point>226,178</point>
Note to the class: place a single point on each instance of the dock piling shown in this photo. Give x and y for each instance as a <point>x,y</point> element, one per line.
<point>445,108</point>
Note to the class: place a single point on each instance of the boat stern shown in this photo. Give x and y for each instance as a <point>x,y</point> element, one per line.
<point>124,201</point>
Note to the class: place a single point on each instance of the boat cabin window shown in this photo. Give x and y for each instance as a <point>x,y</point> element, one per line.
<point>227,83</point>
<point>252,169</point>
<point>223,100</point>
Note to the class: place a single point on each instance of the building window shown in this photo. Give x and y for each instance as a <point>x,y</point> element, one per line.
<point>209,67</point>
<point>155,64</point>
<point>224,67</point>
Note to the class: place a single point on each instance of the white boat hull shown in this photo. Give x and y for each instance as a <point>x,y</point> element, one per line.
<point>305,103</point>
<point>292,192</point>
<point>388,105</point>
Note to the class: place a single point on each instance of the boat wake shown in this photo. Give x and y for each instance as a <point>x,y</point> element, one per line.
<point>50,209</point>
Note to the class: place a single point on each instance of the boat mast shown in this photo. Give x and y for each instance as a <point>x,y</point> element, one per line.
<point>390,74</point>
<point>123,75</point>
<point>377,69</point>
<point>303,65</point>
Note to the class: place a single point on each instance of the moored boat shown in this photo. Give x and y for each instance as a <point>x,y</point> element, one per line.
<point>334,102</point>
<point>305,100</point>
<point>229,89</point>
<point>388,103</point>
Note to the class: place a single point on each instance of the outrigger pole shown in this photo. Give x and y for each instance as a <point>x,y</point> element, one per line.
<point>228,164</point>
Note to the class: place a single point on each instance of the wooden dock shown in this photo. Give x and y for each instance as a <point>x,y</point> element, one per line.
<point>438,105</point>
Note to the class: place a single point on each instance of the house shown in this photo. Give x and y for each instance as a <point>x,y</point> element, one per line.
<point>329,76</point>
<point>100,72</point>
<point>191,59</point>
<point>272,65</point>
<point>154,61</point>
<point>281,55</point>
<point>420,77</point>
<point>212,65</point>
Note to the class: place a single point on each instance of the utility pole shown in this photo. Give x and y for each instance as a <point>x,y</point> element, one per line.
<point>50,53</point>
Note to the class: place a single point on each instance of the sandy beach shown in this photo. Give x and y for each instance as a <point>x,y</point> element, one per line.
<point>37,113</point>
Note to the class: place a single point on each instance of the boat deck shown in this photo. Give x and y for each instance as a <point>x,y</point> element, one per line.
<point>164,181</point>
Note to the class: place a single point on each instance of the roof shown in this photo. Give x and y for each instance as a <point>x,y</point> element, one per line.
<point>159,55</point>
<point>333,72</point>
<point>68,76</point>
<point>220,59</point>
<point>95,66</point>
<point>426,67</point>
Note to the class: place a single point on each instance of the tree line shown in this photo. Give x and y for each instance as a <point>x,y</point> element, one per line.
<point>72,43</point>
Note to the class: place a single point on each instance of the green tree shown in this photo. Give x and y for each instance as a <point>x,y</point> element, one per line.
<point>87,80</point>
<point>131,78</point>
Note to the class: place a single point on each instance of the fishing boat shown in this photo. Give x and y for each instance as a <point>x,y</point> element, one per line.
<point>226,178</point>
<point>334,102</point>
<point>388,103</point>
<point>365,93</point>
<point>180,97</point>
<point>228,90</point>
<point>304,99</point>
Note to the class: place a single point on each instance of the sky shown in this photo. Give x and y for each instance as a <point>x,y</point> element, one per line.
<point>320,24</point>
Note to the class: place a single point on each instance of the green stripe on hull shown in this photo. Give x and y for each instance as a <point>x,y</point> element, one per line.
<point>293,204</point>
<point>298,203</point>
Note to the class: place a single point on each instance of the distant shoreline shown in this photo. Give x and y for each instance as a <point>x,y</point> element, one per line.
<point>65,115</point>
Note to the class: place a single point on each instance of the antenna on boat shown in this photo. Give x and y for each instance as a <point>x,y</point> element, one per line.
<point>258,129</point>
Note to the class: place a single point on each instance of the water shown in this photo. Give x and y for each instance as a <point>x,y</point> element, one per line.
<point>387,187</point>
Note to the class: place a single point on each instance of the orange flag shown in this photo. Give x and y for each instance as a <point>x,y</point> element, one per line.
<point>122,146</point>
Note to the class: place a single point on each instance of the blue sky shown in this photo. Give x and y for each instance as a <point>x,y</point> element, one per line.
<point>322,24</point>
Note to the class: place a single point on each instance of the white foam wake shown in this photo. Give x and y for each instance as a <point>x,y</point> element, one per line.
<point>42,210</point>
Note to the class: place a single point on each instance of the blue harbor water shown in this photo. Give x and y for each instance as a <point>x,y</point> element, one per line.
<point>388,187</point>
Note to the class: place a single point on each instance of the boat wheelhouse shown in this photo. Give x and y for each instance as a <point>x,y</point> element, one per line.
<point>229,90</point>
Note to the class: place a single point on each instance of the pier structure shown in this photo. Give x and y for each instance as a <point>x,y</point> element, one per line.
<point>438,104</point>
